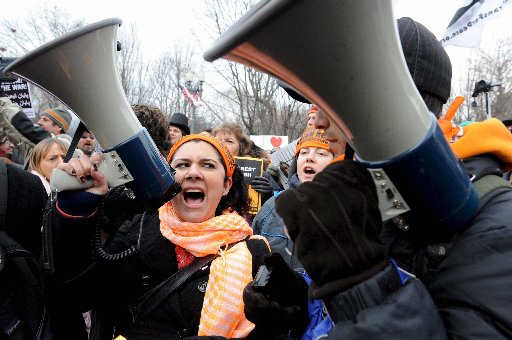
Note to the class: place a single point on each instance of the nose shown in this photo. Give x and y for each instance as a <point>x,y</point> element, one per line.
<point>321,121</point>
<point>310,156</point>
<point>193,172</point>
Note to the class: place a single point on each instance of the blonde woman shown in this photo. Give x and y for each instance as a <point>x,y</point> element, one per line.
<point>45,157</point>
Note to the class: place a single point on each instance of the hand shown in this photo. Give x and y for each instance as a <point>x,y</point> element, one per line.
<point>262,185</point>
<point>281,304</point>
<point>85,167</point>
<point>334,222</point>
<point>8,108</point>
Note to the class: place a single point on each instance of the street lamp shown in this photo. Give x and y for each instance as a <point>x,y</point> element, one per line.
<point>483,87</point>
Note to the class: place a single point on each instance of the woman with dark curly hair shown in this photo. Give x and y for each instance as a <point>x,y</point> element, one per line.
<point>155,122</point>
<point>201,227</point>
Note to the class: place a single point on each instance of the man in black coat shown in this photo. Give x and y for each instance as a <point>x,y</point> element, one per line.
<point>461,289</point>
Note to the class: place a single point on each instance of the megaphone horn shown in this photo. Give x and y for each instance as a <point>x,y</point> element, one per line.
<point>345,57</point>
<point>79,69</point>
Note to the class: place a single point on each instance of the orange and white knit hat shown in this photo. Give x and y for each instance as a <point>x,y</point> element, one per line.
<point>313,138</point>
<point>229,161</point>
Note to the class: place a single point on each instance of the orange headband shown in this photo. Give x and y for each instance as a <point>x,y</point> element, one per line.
<point>55,116</point>
<point>314,109</point>
<point>313,138</point>
<point>229,162</point>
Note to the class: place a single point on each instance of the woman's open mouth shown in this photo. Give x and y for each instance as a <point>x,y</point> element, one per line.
<point>309,170</point>
<point>193,197</point>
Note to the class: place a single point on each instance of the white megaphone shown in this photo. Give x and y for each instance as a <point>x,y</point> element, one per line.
<point>79,69</point>
<point>345,56</point>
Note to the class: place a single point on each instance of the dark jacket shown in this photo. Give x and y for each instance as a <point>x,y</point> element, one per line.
<point>23,313</point>
<point>116,287</point>
<point>26,127</point>
<point>465,292</point>
<point>26,199</point>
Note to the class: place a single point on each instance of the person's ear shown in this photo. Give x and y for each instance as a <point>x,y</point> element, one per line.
<point>227,185</point>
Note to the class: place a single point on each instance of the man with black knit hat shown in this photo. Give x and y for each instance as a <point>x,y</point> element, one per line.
<point>429,65</point>
<point>178,127</point>
<point>463,280</point>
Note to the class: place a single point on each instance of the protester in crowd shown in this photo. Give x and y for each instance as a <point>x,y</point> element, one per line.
<point>178,127</point>
<point>22,200</point>
<point>312,114</point>
<point>240,145</point>
<point>45,157</point>
<point>55,120</point>
<point>153,119</point>
<point>332,133</point>
<point>6,148</point>
<point>312,154</point>
<point>202,220</point>
<point>87,143</point>
<point>234,138</point>
<point>463,292</point>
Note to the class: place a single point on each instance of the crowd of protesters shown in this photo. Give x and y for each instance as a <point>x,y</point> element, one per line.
<point>315,262</point>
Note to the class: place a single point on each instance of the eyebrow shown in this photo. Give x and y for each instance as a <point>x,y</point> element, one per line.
<point>202,159</point>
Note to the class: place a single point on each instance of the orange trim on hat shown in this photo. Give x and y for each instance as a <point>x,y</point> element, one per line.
<point>313,138</point>
<point>58,118</point>
<point>314,109</point>
<point>228,159</point>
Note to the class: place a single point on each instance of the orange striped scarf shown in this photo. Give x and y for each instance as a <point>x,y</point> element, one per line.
<point>223,308</point>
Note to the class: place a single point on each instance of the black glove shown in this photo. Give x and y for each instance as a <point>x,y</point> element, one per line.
<point>334,222</point>
<point>281,304</point>
<point>262,185</point>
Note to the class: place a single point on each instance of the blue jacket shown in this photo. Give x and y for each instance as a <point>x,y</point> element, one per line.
<point>269,224</point>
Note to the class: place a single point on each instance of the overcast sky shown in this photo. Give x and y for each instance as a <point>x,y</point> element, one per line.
<point>161,23</point>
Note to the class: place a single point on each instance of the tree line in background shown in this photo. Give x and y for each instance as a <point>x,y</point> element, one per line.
<point>232,92</point>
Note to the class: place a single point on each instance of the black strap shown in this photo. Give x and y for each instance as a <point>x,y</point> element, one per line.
<point>76,137</point>
<point>149,301</point>
<point>3,194</point>
<point>349,152</point>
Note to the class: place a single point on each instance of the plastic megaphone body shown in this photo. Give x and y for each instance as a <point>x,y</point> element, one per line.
<point>79,69</point>
<point>350,63</point>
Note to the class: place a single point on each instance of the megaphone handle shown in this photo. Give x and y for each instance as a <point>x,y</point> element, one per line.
<point>112,167</point>
<point>62,181</point>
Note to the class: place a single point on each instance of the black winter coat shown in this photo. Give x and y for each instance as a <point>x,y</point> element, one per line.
<point>465,292</point>
<point>114,288</point>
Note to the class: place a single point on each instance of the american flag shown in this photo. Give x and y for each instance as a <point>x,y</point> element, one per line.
<point>193,98</point>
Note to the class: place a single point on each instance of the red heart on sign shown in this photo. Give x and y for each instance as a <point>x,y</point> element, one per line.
<point>276,141</point>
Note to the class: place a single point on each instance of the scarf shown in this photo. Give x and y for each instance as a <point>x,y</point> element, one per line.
<point>222,313</point>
